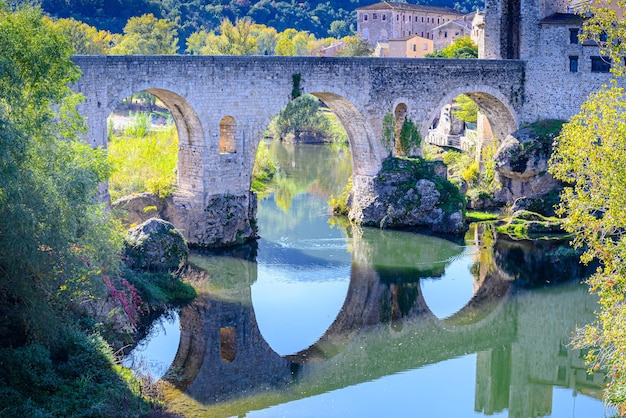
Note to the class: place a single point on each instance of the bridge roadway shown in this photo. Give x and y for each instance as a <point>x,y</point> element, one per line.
<point>222,106</point>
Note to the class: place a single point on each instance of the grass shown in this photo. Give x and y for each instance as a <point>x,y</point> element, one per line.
<point>143,159</point>
<point>477,216</point>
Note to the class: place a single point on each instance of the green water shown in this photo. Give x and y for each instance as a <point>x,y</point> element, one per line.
<point>324,320</point>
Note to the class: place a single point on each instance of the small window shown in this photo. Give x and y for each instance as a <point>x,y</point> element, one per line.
<point>374,16</point>
<point>397,17</point>
<point>573,63</point>
<point>422,19</point>
<point>425,47</point>
<point>384,17</point>
<point>414,48</point>
<point>445,34</point>
<point>365,18</point>
<point>573,36</point>
<point>403,18</point>
<point>422,34</point>
<point>416,18</point>
<point>600,64</point>
<point>228,130</point>
<point>437,20</point>
<point>456,33</point>
<point>428,20</point>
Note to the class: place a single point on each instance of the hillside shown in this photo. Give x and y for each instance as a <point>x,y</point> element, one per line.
<point>314,16</point>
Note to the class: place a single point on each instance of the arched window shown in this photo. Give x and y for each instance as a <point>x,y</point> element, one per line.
<point>228,139</point>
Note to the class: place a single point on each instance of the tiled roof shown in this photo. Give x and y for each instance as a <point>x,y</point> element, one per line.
<point>387,5</point>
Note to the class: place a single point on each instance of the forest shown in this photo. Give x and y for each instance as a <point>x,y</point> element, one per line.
<point>314,16</point>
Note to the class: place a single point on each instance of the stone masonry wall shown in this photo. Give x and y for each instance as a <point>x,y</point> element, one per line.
<point>201,91</point>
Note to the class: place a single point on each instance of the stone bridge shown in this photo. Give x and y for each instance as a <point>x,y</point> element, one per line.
<point>222,106</point>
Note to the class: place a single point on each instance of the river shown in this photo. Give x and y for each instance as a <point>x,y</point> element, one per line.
<point>320,319</point>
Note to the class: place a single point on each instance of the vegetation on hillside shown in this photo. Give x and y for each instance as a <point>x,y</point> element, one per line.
<point>321,18</point>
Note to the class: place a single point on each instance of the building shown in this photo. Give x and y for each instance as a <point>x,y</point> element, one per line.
<point>446,33</point>
<point>385,21</point>
<point>409,47</point>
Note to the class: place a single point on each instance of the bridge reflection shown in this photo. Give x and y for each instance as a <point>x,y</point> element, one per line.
<point>225,367</point>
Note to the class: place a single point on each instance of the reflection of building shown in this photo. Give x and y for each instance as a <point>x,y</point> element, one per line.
<point>383,21</point>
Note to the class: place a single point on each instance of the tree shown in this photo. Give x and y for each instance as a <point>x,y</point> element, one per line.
<point>49,179</point>
<point>236,39</point>
<point>462,47</point>
<point>355,46</point>
<point>86,39</point>
<point>590,157</point>
<point>467,110</point>
<point>148,35</point>
<point>301,115</point>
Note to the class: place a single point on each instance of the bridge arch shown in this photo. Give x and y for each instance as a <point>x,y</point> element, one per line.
<point>190,134</point>
<point>490,101</point>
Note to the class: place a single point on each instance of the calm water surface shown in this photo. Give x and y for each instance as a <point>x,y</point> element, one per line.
<point>322,320</point>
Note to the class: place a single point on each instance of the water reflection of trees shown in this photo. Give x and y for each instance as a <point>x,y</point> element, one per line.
<point>321,170</point>
<point>520,334</point>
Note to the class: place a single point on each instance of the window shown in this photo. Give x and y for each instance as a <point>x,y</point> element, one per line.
<point>422,19</point>
<point>600,64</point>
<point>425,47</point>
<point>228,141</point>
<point>414,47</point>
<point>428,20</point>
<point>437,20</point>
<point>397,17</point>
<point>422,34</point>
<point>573,63</point>
<point>365,18</point>
<point>445,34</point>
<point>573,36</point>
<point>404,18</point>
<point>384,17</point>
<point>374,16</point>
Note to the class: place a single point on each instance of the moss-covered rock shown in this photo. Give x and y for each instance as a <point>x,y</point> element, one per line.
<point>408,192</point>
<point>155,245</point>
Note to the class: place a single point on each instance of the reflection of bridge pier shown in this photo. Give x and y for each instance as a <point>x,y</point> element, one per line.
<point>385,327</point>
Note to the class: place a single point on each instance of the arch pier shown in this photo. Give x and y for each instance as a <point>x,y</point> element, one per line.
<point>222,105</point>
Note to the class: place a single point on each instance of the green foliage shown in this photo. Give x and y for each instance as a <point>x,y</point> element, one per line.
<point>143,160</point>
<point>410,138</point>
<point>339,204</point>
<point>78,379</point>
<point>263,170</point>
<point>389,131</point>
<point>295,91</point>
<point>159,290</point>
<point>462,47</point>
<point>147,35</point>
<point>477,216</point>
<point>590,157</point>
<point>467,110</point>
<point>86,39</point>
<point>237,39</point>
<point>355,46</point>
<point>304,116</point>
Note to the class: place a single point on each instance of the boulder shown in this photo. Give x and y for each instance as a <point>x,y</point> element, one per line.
<point>155,245</point>
<point>521,164</point>
<point>135,209</point>
<point>404,196</point>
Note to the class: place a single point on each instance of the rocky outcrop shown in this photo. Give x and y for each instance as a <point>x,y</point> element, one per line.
<point>155,245</point>
<point>407,193</point>
<point>522,164</point>
<point>135,209</point>
<point>222,221</point>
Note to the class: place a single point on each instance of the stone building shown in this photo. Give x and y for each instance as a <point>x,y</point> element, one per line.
<point>384,21</point>
<point>446,33</point>
<point>410,47</point>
